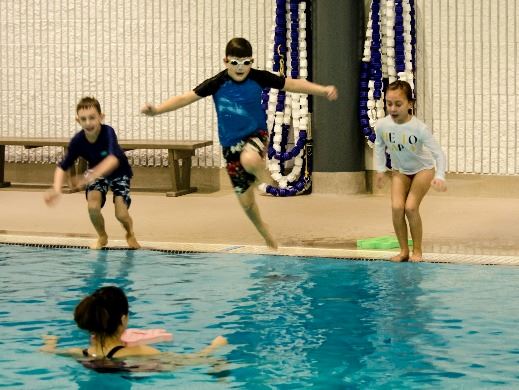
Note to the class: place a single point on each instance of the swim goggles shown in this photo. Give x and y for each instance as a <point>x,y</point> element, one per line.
<point>236,62</point>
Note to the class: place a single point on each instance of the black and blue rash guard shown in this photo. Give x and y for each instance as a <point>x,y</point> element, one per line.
<point>106,144</point>
<point>238,104</point>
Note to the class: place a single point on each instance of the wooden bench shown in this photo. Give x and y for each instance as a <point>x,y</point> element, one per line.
<point>178,152</point>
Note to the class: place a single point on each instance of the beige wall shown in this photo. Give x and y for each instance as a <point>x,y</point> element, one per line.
<point>124,52</point>
<point>467,81</point>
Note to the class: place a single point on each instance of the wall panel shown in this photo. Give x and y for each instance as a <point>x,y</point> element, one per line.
<point>467,81</point>
<point>124,52</point>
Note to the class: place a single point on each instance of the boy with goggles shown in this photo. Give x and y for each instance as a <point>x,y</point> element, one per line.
<point>242,122</point>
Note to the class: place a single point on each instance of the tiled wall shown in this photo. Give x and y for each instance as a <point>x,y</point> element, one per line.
<point>468,81</point>
<point>124,52</point>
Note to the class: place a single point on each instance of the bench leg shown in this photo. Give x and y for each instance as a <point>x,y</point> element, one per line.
<point>2,168</point>
<point>180,177</point>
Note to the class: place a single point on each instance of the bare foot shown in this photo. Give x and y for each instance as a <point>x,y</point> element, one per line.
<point>416,257</point>
<point>271,243</point>
<point>100,243</point>
<point>132,241</point>
<point>401,257</point>
<point>269,240</point>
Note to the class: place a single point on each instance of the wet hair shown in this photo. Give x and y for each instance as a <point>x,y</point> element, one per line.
<point>238,47</point>
<point>100,313</point>
<point>87,102</point>
<point>404,87</point>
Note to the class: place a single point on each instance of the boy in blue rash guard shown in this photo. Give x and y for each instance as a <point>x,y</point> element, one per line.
<point>242,124</point>
<point>108,168</point>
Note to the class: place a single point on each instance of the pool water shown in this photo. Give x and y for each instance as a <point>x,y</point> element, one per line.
<point>292,323</point>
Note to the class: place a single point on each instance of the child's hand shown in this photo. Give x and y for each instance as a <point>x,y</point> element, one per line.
<point>380,179</point>
<point>219,341</point>
<point>149,109</point>
<point>51,197</point>
<point>80,181</point>
<point>439,185</point>
<point>331,92</point>
<point>73,183</point>
<point>49,343</point>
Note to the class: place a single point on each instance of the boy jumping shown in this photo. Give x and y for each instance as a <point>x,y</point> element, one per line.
<point>108,168</point>
<point>242,122</point>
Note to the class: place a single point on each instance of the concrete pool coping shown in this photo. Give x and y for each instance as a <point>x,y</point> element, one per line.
<point>457,229</point>
<point>177,247</point>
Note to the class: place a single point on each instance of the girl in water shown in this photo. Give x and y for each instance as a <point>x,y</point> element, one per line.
<point>104,314</point>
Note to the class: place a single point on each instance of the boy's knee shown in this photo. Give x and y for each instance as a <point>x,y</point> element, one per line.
<point>250,160</point>
<point>122,215</point>
<point>94,207</point>
<point>94,202</point>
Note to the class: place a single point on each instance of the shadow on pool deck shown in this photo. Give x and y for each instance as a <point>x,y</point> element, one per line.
<point>454,225</point>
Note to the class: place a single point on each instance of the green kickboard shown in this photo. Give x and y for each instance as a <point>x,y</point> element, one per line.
<point>384,242</point>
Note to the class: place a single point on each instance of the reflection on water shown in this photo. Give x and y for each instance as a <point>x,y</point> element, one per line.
<point>292,323</point>
<point>332,320</point>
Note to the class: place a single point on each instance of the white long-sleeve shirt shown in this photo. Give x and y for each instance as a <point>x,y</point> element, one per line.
<point>405,144</point>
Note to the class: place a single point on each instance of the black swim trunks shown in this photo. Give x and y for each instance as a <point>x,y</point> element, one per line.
<point>120,186</point>
<point>241,179</point>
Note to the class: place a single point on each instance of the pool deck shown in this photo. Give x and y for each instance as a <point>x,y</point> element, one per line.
<point>456,229</point>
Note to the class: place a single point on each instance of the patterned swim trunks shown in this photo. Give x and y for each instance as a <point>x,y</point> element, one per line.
<point>120,186</point>
<point>241,179</point>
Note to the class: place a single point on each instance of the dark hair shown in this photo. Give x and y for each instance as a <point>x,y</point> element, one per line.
<point>100,313</point>
<point>87,102</point>
<point>403,86</point>
<point>238,47</point>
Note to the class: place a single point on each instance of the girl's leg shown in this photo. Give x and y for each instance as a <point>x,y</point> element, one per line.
<point>400,185</point>
<point>94,199</point>
<point>123,216</point>
<point>419,187</point>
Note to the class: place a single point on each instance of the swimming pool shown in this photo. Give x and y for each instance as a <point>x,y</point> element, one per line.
<point>291,322</point>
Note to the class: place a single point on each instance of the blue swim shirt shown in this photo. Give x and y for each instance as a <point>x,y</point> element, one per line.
<point>238,104</point>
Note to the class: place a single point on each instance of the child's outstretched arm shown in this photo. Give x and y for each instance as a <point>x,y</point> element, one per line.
<point>50,344</point>
<point>171,104</point>
<point>219,341</point>
<point>310,88</point>
<point>52,195</point>
<point>172,360</point>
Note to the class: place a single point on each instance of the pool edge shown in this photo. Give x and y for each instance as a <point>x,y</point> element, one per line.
<point>179,247</point>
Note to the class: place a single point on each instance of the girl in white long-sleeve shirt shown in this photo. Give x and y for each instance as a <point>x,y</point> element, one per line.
<point>417,162</point>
